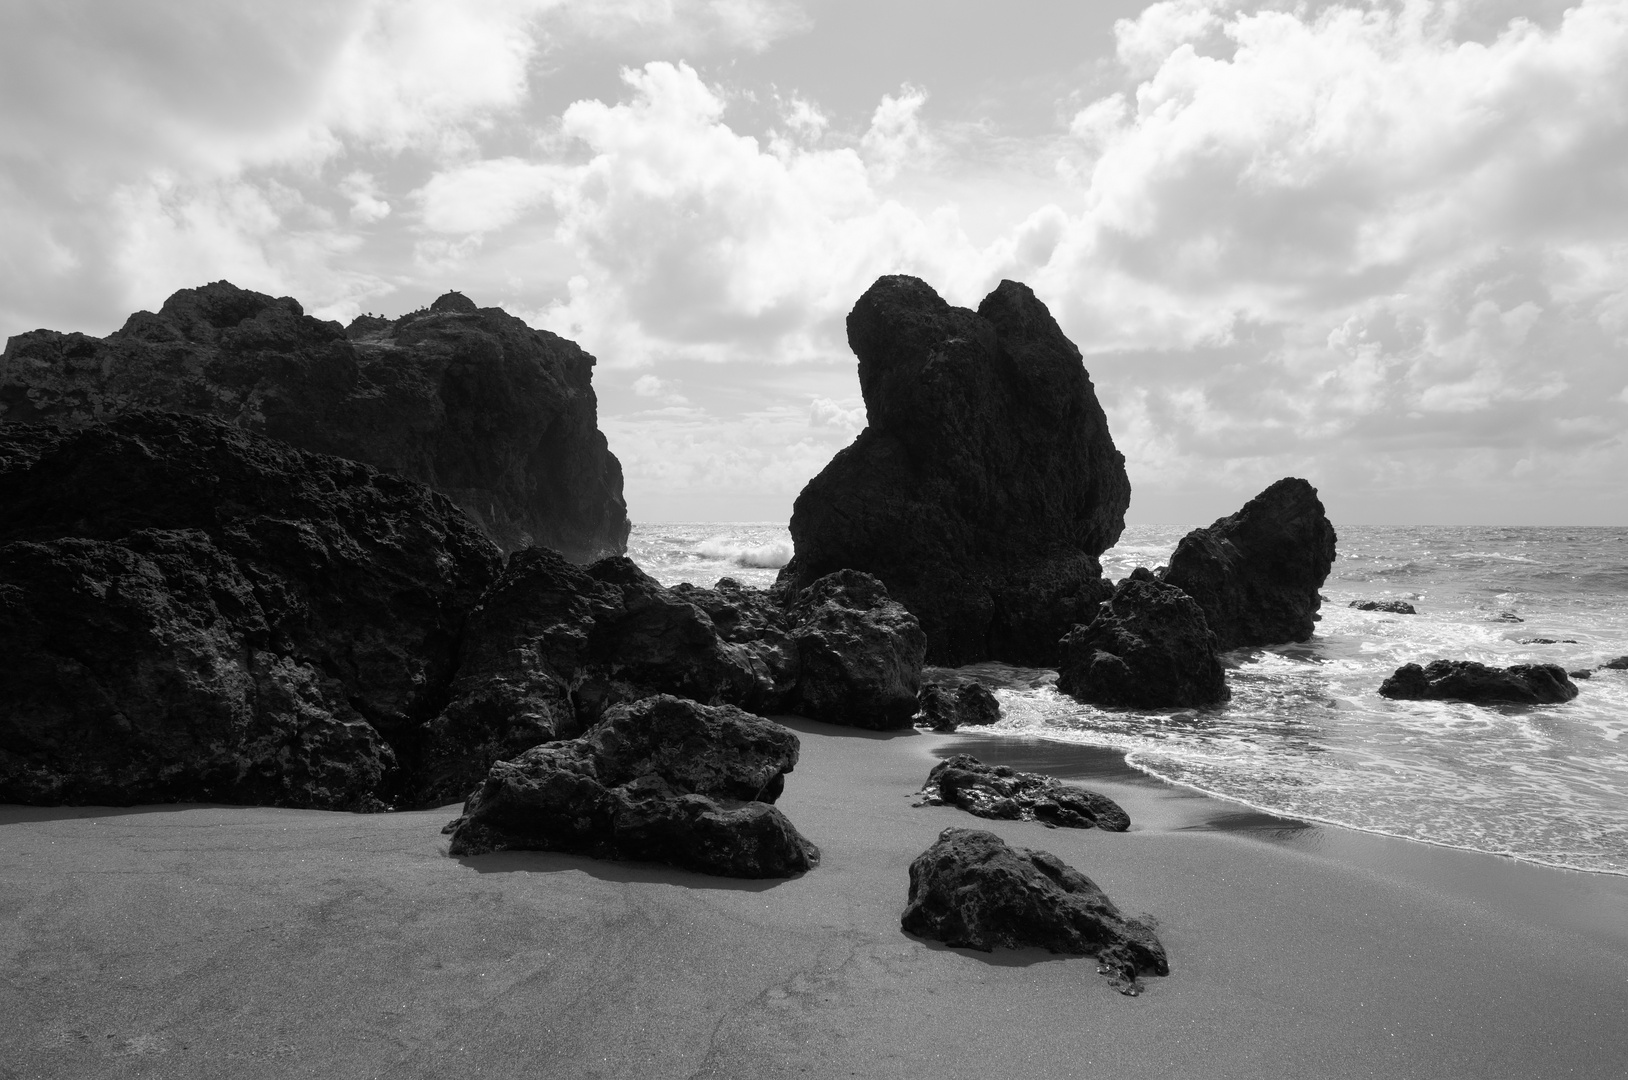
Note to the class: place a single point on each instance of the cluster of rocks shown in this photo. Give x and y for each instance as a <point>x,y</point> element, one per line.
<point>1467,680</point>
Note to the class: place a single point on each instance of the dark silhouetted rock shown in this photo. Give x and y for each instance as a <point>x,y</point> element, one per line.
<point>1148,647</point>
<point>189,612</point>
<point>1256,573</point>
<point>1466,680</point>
<point>1547,641</point>
<point>985,485</point>
<point>1583,673</point>
<point>971,890</point>
<point>948,706</point>
<point>663,780</point>
<point>995,791</point>
<point>859,654</point>
<point>757,622</point>
<point>499,417</point>
<point>1394,607</point>
<point>1505,616</point>
<point>1619,664</point>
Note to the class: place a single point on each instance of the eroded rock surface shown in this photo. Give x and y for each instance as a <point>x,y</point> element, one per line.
<point>662,779</point>
<point>972,890</point>
<point>1394,607</point>
<point>948,706</point>
<point>985,485</point>
<point>1002,793</point>
<point>1467,680</point>
<point>859,654</point>
<point>1148,647</point>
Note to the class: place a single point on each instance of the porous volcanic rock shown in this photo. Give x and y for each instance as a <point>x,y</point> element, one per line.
<point>1002,793</point>
<point>859,654</point>
<point>948,706</point>
<point>1394,607</point>
<point>1257,573</point>
<point>191,612</point>
<point>1148,647</point>
<point>499,417</point>
<point>662,779</point>
<point>985,485</point>
<point>1467,680</point>
<point>972,890</point>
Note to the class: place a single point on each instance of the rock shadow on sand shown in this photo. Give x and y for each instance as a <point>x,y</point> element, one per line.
<point>558,862</point>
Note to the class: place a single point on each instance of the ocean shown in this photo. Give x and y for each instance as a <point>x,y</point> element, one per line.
<point>1306,734</point>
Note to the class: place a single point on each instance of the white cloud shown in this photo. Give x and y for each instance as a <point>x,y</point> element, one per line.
<point>846,416</point>
<point>895,137</point>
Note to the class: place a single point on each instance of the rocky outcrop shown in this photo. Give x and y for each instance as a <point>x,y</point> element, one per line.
<point>1466,680</point>
<point>1257,573</point>
<point>996,791</point>
<point>971,890</point>
<point>1394,607</point>
<point>859,654</point>
<point>1620,663</point>
<point>662,780</point>
<point>190,612</point>
<point>948,706</point>
<point>499,417</point>
<point>1148,647</point>
<point>985,485</point>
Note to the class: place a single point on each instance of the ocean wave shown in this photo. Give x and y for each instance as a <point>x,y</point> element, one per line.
<point>770,556</point>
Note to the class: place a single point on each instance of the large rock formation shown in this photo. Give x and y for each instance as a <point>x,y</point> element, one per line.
<point>985,485</point>
<point>499,417</point>
<point>190,612</point>
<point>1257,573</point>
<point>1004,794</point>
<point>948,706</point>
<point>859,654</point>
<point>662,779</point>
<point>973,891</point>
<point>1148,647</point>
<point>1467,680</point>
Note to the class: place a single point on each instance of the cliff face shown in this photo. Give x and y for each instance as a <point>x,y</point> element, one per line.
<point>986,484</point>
<point>499,417</point>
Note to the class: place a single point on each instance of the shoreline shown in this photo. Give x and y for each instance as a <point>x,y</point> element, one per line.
<point>200,941</point>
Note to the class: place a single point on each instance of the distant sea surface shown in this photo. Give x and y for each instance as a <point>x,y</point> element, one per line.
<point>1306,734</point>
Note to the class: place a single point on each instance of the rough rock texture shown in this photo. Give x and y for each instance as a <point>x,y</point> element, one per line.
<point>662,779</point>
<point>1256,573</point>
<point>1466,680</point>
<point>996,791</point>
<point>499,417</point>
<point>971,890</point>
<point>948,706</point>
<point>859,654</point>
<point>985,485</point>
<point>1148,647</point>
<point>191,612</point>
<point>1395,607</point>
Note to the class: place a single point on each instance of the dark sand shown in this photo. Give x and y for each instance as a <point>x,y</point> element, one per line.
<point>238,942</point>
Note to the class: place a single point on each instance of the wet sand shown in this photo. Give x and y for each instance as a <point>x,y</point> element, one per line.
<point>244,942</point>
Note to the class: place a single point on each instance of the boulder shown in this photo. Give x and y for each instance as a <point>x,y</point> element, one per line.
<point>1618,664</point>
<point>859,654</point>
<point>661,780</point>
<point>189,612</point>
<point>1148,647</point>
<point>985,485</point>
<point>1547,641</point>
<point>971,890</point>
<point>756,621</point>
<point>1394,607</point>
<point>1257,573</point>
<point>499,417</point>
<point>948,706</point>
<point>996,791</point>
<point>1466,680</point>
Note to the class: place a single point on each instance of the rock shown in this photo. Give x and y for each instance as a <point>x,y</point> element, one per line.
<point>985,485</point>
<point>1395,607</point>
<point>1547,641</point>
<point>662,780</point>
<point>1619,664</point>
<point>946,707</point>
<point>1148,647</point>
<point>1466,680</point>
<point>499,417</point>
<point>1584,673</point>
<point>996,791</point>
<point>1505,616</point>
<point>756,621</point>
<point>859,654</point>
<point>189,612</point>
<point>970,890</point>
<point>1256,573</point>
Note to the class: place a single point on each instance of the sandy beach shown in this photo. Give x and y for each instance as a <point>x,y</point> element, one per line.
<point>204,941</point>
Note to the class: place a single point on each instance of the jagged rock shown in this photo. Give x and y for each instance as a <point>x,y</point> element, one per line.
<point>1619,664</point>
<point>1256,573</point>
<point>985,485</point>
<point>190,612</point>
<point>756,621</point>
<point>499,417</point>
<point>859,654</point>
<point>971,890</point>
<point>948,706</point>
<point>662,779</point>
<point>1547,641</point>
<point>1148,647</point>
<point>1466,680</point>
<point>1505,616</point>
<point>1395,607</point>
<point>996,791</point>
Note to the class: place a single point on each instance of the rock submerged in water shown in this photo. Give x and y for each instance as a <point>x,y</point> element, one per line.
<point>1394,607</point>
<point>661,780</point>
<point>1467,680</point>
<point>947,706</point>
<point>985,485</point>
<point>971,890</point>
<point>499,417</point>
<point>1148,647</point>
<point>996,791</point>
<point>1257,573</point>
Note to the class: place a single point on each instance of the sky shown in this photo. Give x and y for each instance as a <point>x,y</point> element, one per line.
<point>1380,245</point>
